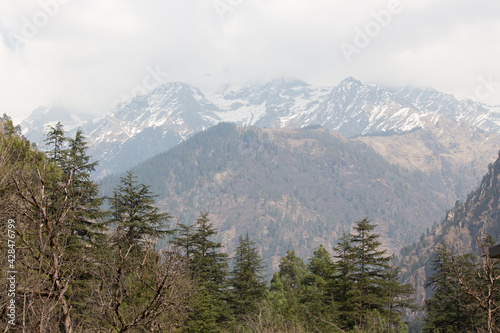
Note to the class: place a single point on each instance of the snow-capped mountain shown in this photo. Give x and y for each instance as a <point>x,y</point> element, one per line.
<point>38,123</point>
<point>153,123</point>
<point>278,103</point>
<point>149,125</point>
<point>354,109</point>
<point>467,111</point>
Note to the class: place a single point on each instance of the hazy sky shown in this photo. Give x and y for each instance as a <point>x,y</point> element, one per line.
<point>87,54</point>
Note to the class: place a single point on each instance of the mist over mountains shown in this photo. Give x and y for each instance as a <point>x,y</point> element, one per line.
<point>436,146</point>
<point>152,123</point>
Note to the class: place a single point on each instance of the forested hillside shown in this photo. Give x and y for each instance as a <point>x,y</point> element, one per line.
<point>465,227</point>
<point>248,201</point>
<point>72,266</point>
<point>293,188</point>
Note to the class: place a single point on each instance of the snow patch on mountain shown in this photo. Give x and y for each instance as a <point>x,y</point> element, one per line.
<point>152,123</point>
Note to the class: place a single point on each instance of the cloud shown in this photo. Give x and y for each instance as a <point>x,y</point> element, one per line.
<point>89,53</point>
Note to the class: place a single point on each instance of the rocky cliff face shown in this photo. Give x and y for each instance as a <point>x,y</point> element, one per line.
<point>462,225</point>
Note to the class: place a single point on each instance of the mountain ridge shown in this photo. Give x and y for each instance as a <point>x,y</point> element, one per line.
<point>172,112</point>
<point>291,188</point>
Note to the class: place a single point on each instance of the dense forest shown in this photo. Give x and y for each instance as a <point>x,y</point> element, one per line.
<point>292,188</point>
<point>78,262</point>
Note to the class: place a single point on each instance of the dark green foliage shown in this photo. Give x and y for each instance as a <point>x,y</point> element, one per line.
<point>292,270</point>
<point>367,285</point>
<point>207,262</point>
<point>317,290</point>
<point>370,267</point>
<point>56,140</point>
<point>465,291</point>
<point>75,183</point>
<point>133,214</point>
<point>90,278</point>
<point>309,184</point>
<point>246,281</point>
<point>275,312</point>
<point>444,312</point>
<point>208,266</point>
<point>344,290</point>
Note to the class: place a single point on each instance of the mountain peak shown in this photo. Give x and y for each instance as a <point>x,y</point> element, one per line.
<point>35,126</point>
<point>349,81</point>
<point>174,110</point>
<point>285,83</point>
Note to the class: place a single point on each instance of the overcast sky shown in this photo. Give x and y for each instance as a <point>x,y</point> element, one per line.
<point>87,54</point>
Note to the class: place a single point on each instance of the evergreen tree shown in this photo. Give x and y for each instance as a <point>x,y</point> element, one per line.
<point>343,286</point>
<point>317,293</point>
<point>370,264</point>
<point>78,171</point>
<point>321,264</point>
<point>276,296</point>
<point>59,205</point>
<point>87,231</point>
<point>208,266</point>
<point>56,140</point>
<point>207,262</point>
<point>132,211</point>
<point>367,285</point>
<point>141,288</point>
<point>275,313</point>
<point>182,240</point>
<point>465,290</point>
<point>292,270</point>
<point>247,283</point>
<point>70,155</point>
<point>444,312</point>
<point>399,298</point>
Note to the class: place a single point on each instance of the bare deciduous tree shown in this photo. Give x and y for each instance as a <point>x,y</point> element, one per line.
<point>480,282</point>
<point>143,291</point>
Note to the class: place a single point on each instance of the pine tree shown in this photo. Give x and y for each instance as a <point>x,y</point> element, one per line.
<point>87,231</point>
<point>343,288</point>
<point>368,285</point>
<point>316,294</point>
<point>275,313</point>
<point>208,266</point>
<point>141,287</point>
<point>56,140</point>
<point>399,298</point>
<point>247,283</point>
<point>70,155</point>
<point>59,204</point>
<point>78,171</point>
<point>182,240</point>
<point>292,270</point>
<point>132,211</point>
<point>443,310</point>
<point>207,262</point>
<point>371,265</point>
<point>465,291</point>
